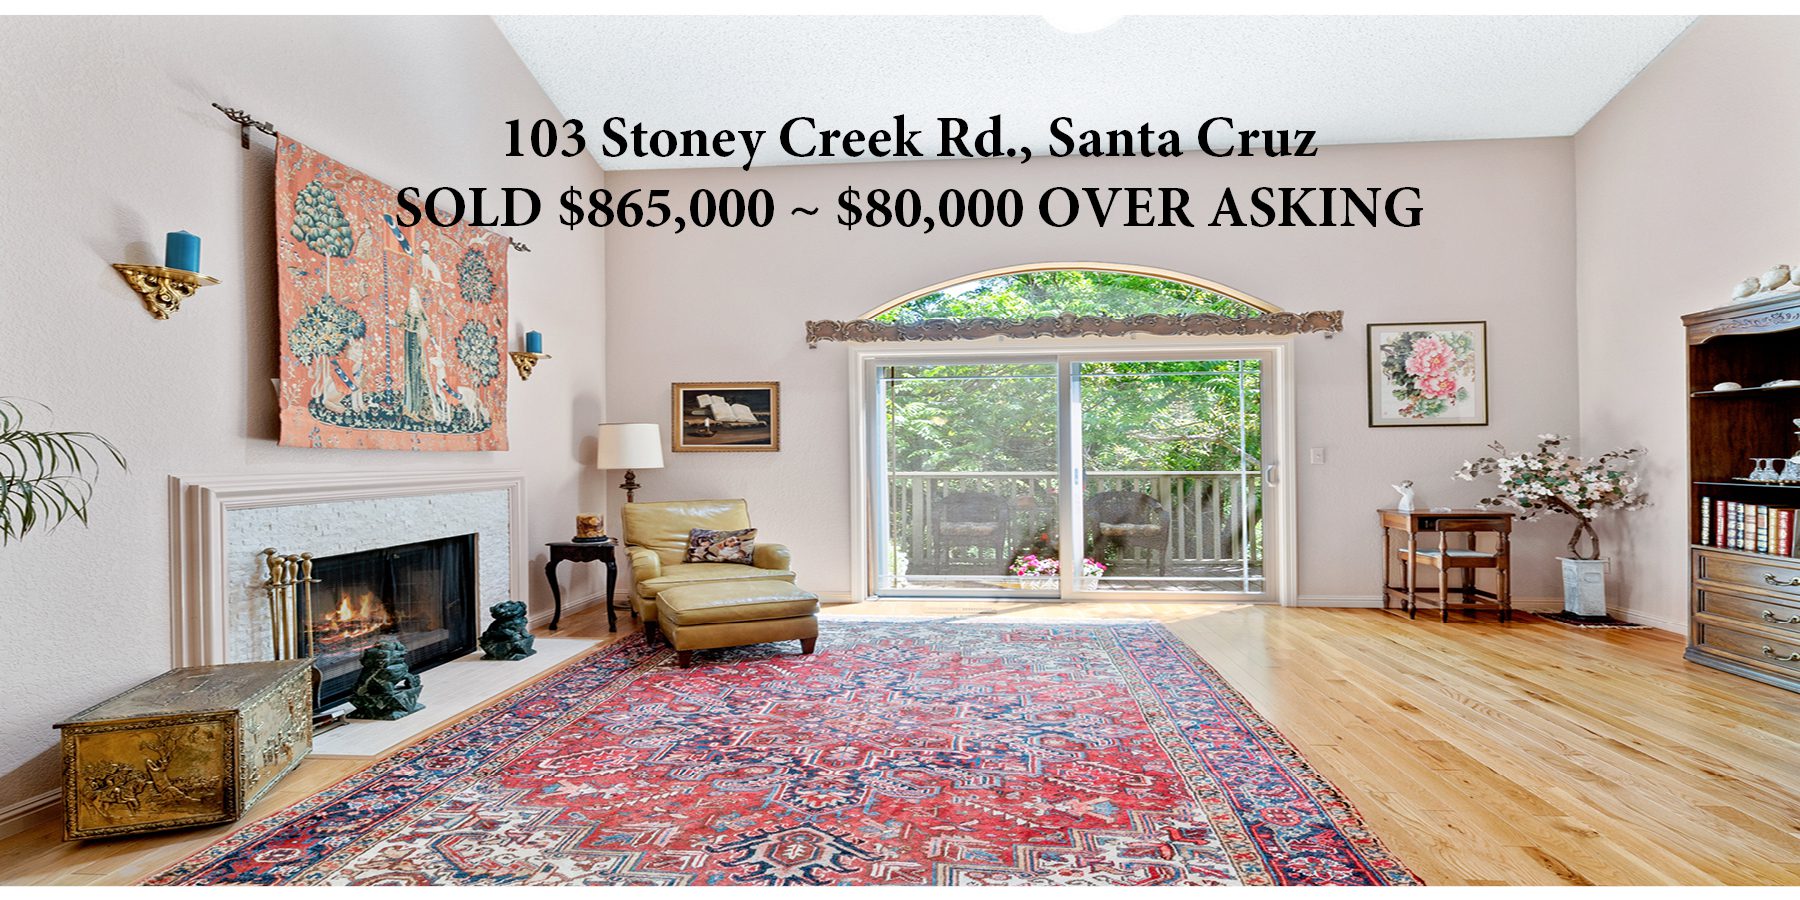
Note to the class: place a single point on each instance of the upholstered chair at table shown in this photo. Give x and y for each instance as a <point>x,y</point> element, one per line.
<point>656,541</point>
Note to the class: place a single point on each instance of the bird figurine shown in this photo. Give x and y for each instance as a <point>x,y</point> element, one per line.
<point>1406,495</point>
<point>1746,287</point>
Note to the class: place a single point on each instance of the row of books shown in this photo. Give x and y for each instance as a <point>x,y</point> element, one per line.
<point>1747,526</point>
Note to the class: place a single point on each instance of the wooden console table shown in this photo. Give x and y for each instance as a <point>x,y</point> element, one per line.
<point>584,551</point>
<point>1444,558</point>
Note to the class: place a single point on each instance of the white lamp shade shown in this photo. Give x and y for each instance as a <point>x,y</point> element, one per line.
<point>632,445</point>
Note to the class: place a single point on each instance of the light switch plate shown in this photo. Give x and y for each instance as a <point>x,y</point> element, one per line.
<point>1317,456</point>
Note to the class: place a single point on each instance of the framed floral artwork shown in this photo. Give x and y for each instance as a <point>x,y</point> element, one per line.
<point>1428,373</point>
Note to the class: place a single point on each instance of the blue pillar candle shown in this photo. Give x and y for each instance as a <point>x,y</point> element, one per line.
<point>182,252</point>
<point>534,342</point>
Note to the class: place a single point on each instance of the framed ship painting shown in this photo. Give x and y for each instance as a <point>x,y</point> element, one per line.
<point>1428,373</point>
<point>725,416</point>
<point>390,335</point>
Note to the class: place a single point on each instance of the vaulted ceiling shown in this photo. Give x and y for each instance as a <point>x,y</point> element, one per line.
<point>1352,79</point>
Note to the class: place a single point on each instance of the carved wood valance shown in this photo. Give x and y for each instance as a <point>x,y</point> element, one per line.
<point>870,330</point>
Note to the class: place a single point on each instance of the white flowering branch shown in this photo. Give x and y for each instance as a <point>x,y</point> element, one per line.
<point>1549,480</point>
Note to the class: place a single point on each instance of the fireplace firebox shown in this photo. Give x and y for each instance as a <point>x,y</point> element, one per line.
<point>422,594</point>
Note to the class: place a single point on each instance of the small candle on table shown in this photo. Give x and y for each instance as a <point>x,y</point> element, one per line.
<point>182,251</point>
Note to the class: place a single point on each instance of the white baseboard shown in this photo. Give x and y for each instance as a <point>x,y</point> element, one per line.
<point>1538,604</point>
<point>568,609</point>
<point>30,812</point>
<point>1371,601</point>
<point>1527,604</point>
<point>1661,623</point>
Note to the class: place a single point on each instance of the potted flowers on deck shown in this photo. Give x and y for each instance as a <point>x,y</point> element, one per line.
<point>1042,572</point>
<point>1550,480</point>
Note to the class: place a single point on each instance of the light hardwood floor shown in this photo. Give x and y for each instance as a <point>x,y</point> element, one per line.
<point>1481,753</point>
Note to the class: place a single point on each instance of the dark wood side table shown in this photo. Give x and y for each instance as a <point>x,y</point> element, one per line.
<point>1443,558</point>
<point>584,551</point>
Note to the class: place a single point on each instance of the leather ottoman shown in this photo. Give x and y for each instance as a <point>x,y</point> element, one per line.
<point>735,613</point>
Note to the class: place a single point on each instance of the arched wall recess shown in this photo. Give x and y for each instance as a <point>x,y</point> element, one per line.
<point>1267,318</point>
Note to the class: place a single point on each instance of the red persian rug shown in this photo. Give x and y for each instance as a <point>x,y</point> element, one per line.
<point>906,751</point>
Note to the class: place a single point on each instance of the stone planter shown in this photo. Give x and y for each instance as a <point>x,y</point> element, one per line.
<point>1584,586</point>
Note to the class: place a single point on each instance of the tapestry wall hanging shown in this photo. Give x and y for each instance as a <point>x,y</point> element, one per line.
<point>390,336</point>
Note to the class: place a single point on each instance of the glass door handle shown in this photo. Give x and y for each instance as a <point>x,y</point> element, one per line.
<point>1270,472</point>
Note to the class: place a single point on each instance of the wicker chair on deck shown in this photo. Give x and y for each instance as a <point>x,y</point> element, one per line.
<point>969,521</point>
<point>1128,520</point>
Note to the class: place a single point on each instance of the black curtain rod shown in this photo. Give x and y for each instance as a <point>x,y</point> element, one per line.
<point>246,122</point>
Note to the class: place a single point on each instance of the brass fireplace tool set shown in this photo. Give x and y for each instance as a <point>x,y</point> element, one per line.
<point>289,580</point>
<point>290,576</point>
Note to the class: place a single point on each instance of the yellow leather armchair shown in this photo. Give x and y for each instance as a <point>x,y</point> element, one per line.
<point>656,540</point>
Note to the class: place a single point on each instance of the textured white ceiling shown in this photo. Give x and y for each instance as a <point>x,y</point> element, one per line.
<point>1353,79</point>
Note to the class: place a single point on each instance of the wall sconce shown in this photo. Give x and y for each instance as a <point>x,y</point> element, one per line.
<point>527,359</point>
<point>164,287</point>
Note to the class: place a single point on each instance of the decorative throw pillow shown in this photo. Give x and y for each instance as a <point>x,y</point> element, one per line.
<point>721,546</point>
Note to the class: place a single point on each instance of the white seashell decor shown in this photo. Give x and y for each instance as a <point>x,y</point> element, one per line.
<point>1779,277</point>
<point>1775,277</point>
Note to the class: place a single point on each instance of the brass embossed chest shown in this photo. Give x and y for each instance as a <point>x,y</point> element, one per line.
<point>195,746</point>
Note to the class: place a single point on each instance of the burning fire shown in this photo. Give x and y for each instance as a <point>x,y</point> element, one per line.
<point>351,620</point>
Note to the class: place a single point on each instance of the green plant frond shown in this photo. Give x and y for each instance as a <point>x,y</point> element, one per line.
<point>46,477</point>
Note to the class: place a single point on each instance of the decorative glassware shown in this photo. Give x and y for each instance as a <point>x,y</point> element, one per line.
<point>1764,470</point>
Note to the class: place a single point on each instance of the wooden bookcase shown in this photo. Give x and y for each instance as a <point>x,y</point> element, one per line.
<point>1744,607</point>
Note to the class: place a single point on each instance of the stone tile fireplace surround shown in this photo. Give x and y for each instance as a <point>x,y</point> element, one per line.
<point>219,526</point>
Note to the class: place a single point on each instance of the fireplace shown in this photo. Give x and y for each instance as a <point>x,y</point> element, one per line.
<point>422,594</point>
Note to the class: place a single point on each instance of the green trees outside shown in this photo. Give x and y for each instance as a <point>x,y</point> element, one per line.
<point>1083,293</point>
<point>1176,415</point>
<point>1137,416</point>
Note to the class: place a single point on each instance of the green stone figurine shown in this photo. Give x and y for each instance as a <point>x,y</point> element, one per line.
<point>509,637</point>
<point>387,688</point>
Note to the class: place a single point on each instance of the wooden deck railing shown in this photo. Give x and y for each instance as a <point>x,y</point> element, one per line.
<point>1215,517</point>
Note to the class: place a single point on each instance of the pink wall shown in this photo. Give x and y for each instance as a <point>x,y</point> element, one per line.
<point>109,144</point>
<point>1496,244</point>
<point>1685,184</point>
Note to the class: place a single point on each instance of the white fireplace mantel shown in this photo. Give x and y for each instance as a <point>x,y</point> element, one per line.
<point>200,589</point>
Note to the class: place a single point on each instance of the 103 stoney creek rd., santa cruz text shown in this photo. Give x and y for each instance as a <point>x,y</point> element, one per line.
<point>801,138</point>
<point>1057,207</point>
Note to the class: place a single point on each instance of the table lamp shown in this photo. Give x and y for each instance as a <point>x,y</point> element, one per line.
<point>630,446</point>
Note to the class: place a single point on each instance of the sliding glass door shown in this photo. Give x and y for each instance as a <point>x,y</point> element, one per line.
<point>1171,464</point>
<point>969,475</point>
<point>1165,453</point>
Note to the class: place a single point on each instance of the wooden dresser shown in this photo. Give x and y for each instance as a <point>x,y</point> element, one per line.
<point>1745,585</point>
